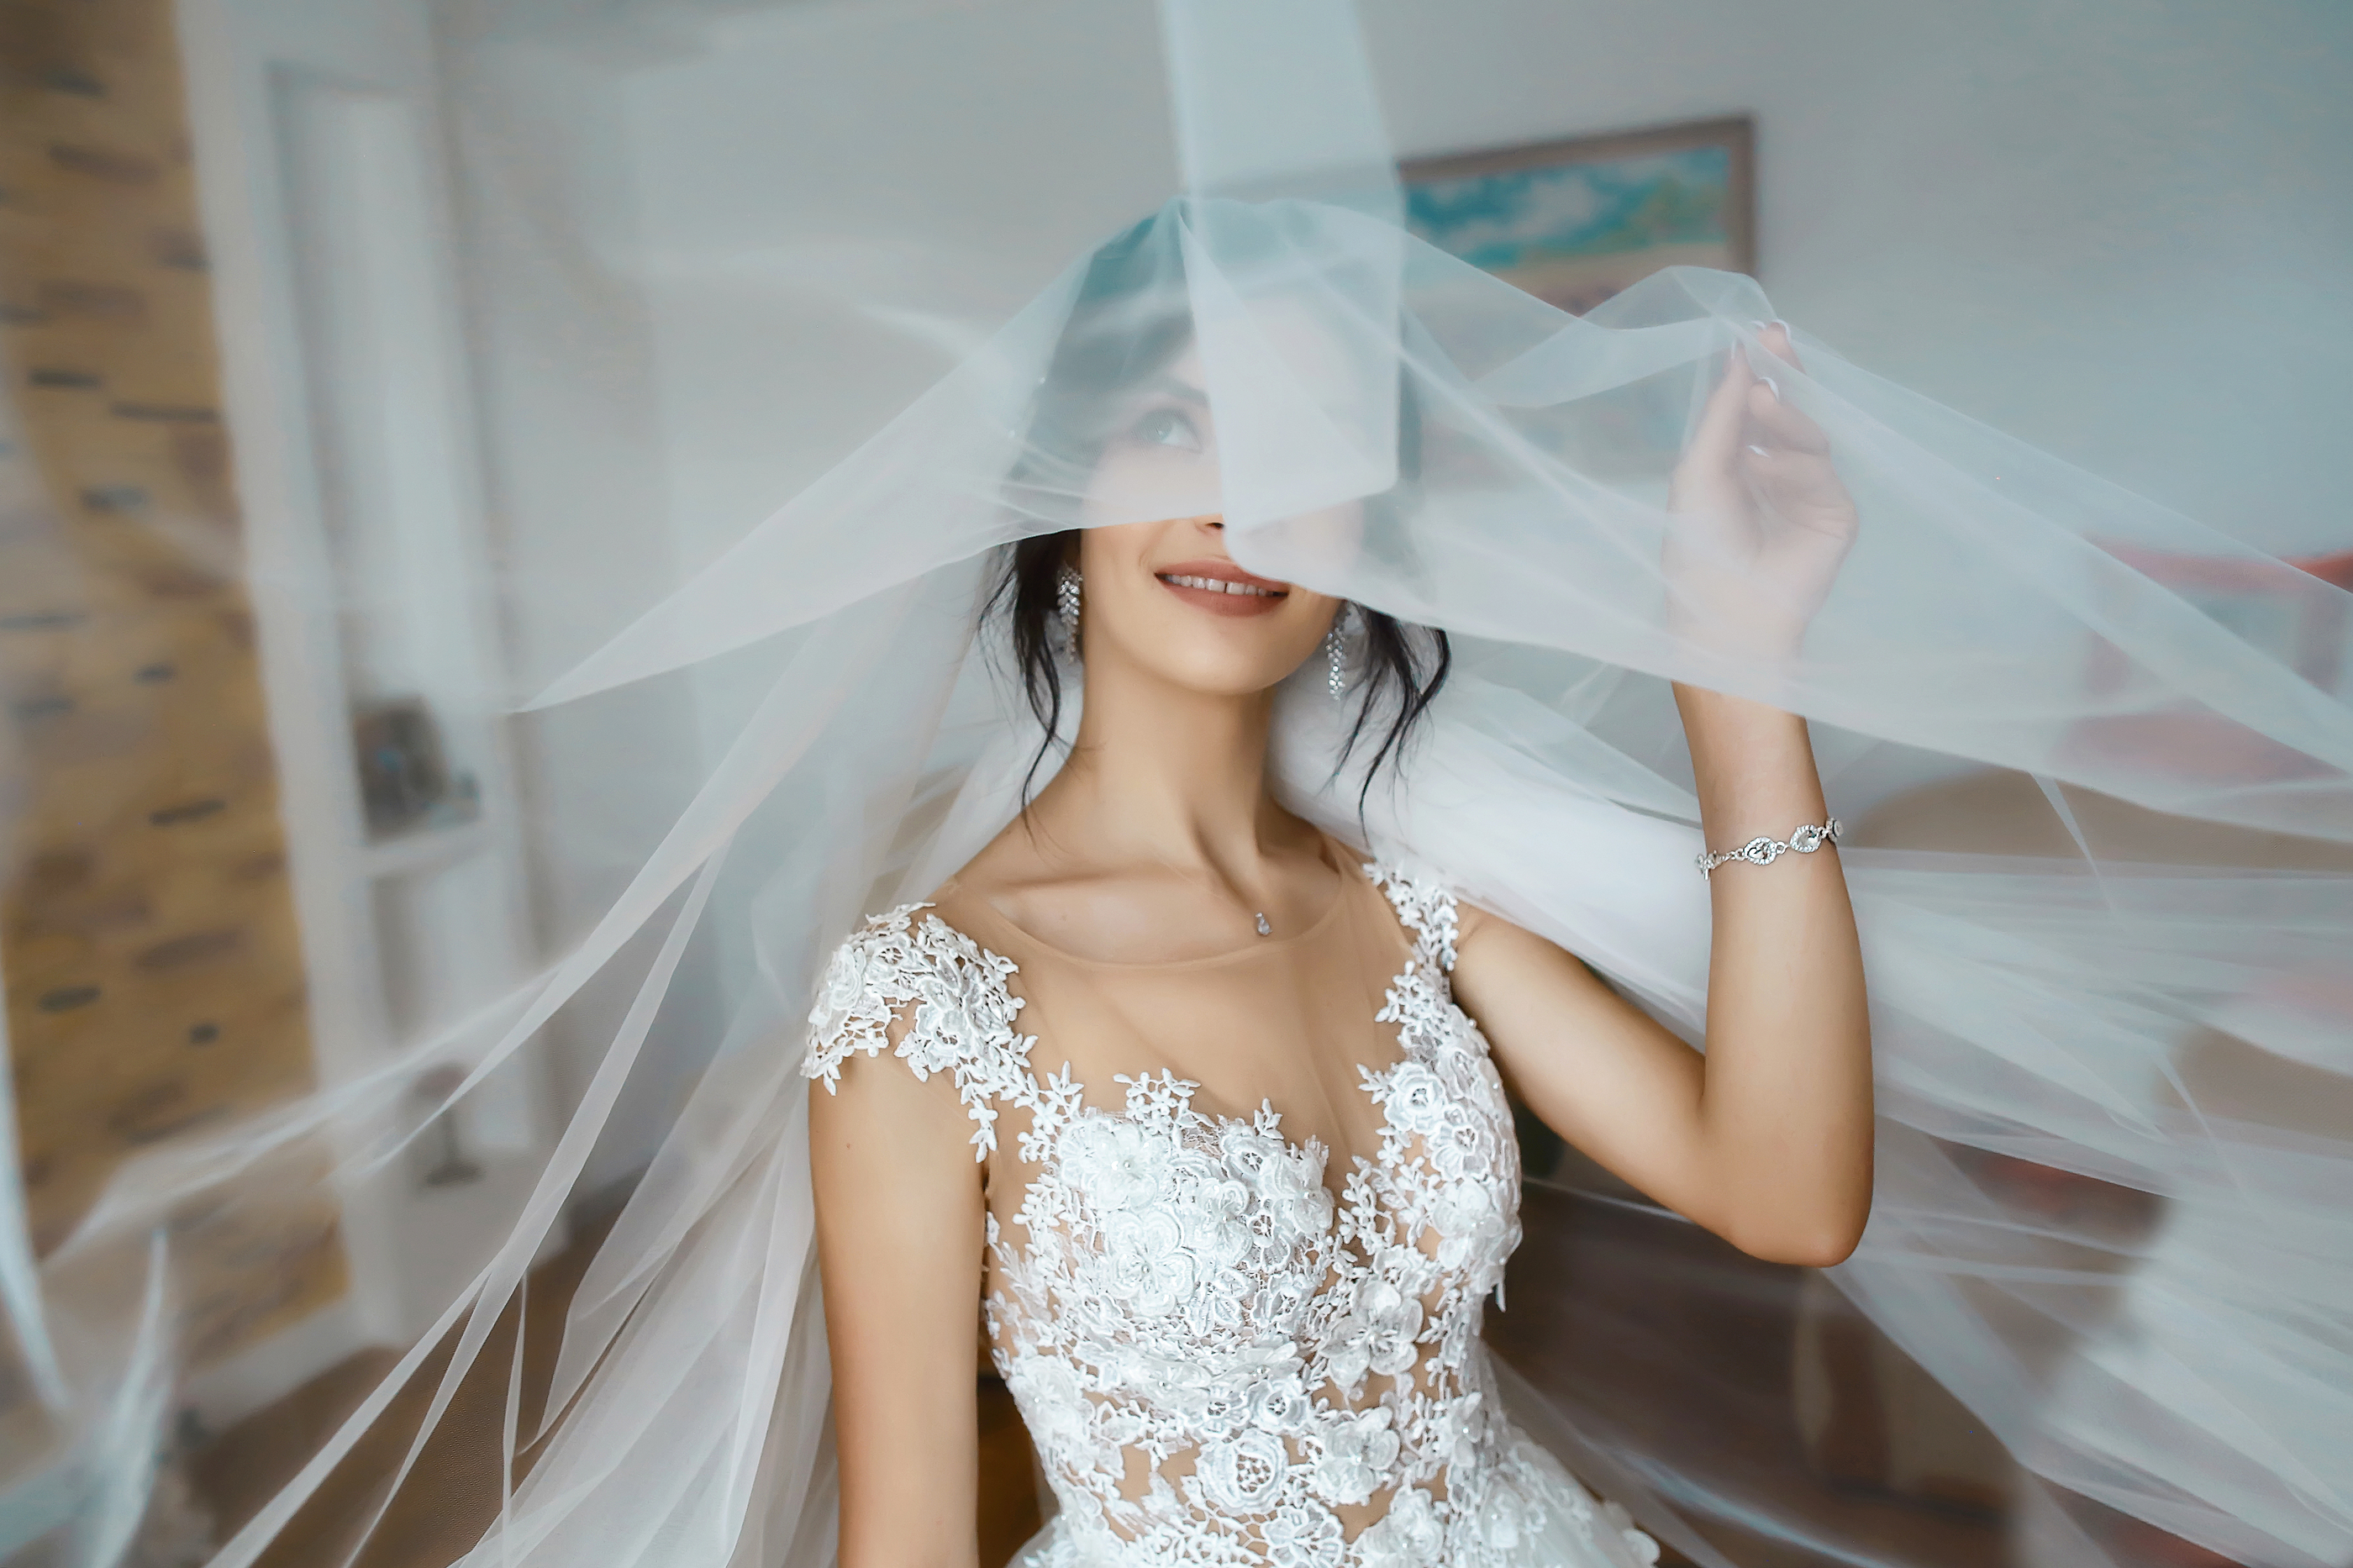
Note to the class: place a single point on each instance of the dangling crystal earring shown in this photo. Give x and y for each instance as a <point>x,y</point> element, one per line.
<point>1066,604</point>
<point>1336,649</point>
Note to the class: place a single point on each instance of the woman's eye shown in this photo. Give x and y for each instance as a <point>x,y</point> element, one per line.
<point>1167,427</point>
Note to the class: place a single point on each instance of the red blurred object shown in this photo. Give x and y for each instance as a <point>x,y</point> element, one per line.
<point>2306,627</point>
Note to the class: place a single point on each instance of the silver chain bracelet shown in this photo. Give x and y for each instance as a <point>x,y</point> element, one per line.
<point>1762,851</point>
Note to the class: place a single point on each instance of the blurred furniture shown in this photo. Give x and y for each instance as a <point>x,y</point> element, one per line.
<point>1647,1332</point>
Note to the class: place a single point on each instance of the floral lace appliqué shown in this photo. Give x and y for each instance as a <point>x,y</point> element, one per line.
<point>1214,1354</point>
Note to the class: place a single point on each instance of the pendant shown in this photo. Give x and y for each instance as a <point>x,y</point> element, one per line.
<point>1264,929</point>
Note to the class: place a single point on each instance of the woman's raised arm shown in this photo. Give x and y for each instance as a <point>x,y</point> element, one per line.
<point>1767,1140</point>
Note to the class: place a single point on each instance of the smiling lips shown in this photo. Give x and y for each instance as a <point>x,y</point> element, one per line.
<point>1222,588</point>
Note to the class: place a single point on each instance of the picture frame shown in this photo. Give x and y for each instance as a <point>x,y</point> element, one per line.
<point>1576,221</point>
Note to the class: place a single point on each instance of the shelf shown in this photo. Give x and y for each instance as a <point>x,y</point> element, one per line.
<point>424,849</point>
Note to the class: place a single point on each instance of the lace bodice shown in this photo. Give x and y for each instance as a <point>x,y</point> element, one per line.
<point>1219,1357</point>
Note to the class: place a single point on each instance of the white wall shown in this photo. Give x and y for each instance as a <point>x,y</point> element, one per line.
<point>2122,229</point>
<point>580,483</point>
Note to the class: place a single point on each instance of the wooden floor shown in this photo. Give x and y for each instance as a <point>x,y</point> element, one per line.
<point>1647,1324</point>
<point>452,1495</point>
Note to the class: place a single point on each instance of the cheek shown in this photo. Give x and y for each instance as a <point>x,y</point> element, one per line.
<point>1319,543</point>
<point>1110,557</point>
<point>1144,484</point>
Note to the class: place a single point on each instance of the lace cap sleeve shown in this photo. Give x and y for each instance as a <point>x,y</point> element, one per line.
<point>1426,907</point>
<point>950,993</point>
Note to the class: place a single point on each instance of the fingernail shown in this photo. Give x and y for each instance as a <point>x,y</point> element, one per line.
<point>1774,386</point>
<point>1758,450</point>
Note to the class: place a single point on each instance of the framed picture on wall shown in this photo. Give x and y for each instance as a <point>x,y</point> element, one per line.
<point>1575,222</point>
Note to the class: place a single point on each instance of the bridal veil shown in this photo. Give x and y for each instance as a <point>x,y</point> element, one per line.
<point>1402,429</point>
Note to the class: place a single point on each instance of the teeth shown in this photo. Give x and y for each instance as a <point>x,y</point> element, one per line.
<point>1219,586</point>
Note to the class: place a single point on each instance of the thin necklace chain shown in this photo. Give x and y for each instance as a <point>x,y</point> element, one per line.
<point>1257,917</point>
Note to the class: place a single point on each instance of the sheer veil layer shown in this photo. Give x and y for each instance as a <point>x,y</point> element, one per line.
<point>1401,430</point>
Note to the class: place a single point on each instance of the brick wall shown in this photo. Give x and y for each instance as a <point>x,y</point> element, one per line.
<point>153,965</point>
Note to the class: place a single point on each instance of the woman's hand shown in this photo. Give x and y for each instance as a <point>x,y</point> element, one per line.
<point>1762,521</point>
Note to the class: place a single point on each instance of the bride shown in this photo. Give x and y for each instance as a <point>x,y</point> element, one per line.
<point>1210,1116</point>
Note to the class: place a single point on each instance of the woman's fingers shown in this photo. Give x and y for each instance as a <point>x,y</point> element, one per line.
<point>1771,420</point>
<point>1747,428</point>
<point>1722,421</point>
<point>1773,423</point>
<point>1775,336</point>
<point>1780,470</point>
<point>1800,485</point>
<point>1785,455</point>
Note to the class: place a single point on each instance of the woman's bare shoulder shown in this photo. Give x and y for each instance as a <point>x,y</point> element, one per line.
<point>1009,870</point>
<point>1019,887</point>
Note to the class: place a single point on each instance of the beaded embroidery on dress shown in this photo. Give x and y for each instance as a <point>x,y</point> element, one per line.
<point>1218,1361</point>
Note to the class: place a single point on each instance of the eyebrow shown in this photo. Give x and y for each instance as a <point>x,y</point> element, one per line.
<point>1173,387</point>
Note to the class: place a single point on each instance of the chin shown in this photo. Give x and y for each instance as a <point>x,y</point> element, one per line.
<point>1220,673</point>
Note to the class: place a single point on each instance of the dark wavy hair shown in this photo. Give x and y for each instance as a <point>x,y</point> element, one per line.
<point>1106,346</point>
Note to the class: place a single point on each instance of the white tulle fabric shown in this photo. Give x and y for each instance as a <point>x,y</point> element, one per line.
<point>1187,1301</point>
<point>1397,428</point>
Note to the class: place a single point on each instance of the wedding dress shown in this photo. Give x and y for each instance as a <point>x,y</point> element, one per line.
<point>1233,1341</point>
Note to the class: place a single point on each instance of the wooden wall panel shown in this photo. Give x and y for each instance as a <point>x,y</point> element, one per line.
<point>153,970</point>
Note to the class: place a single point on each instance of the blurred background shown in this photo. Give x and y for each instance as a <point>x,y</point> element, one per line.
<point>369,362</point>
